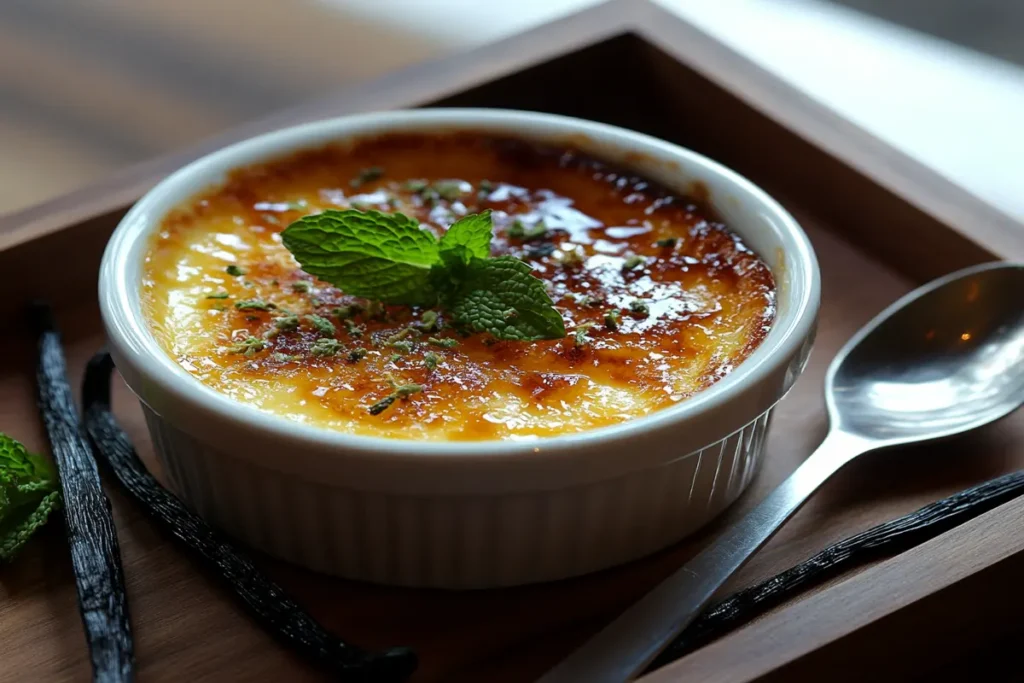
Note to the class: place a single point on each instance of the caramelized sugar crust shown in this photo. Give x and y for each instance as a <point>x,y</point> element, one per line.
<point>690,300</point>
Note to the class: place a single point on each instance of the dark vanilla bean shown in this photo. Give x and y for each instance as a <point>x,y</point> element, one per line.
<point>92,539</point>
<point>267,602</point>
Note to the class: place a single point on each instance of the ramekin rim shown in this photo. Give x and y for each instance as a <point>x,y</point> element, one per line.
<point>128,330</point>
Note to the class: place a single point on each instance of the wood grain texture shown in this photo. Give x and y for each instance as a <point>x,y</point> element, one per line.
<point>186,630</point>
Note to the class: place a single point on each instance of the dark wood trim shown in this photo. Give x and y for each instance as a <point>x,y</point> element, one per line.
<point>885,623</point>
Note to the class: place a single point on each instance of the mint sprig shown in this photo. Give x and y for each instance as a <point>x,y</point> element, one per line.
<point>388,258</point>
<point>29,492</point>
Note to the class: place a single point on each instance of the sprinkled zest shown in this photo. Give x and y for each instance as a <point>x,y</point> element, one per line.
<point>367,175</point>
<point>612,319</point>
<point>323,326</point>
<point>443,343</point>
<point>325,347</point>
<point>633,262</point>
<point>639,307</point>
<point>519,230</point>
<point>254,305</point>
<point>388,258</point>
<point>398,391</point>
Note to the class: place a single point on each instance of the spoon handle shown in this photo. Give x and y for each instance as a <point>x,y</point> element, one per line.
<point>627,645</point>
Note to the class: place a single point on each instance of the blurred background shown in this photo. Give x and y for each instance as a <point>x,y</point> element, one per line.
<point>88,86</point>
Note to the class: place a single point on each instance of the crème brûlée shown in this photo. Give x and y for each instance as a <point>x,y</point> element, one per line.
<point>660,300</point>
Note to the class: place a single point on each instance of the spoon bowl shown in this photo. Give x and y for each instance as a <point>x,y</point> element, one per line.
<point>945,359</point>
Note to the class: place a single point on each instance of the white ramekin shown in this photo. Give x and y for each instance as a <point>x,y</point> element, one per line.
<point>471,514</point>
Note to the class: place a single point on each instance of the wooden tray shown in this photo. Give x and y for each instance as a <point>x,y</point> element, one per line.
<point>881,224</point>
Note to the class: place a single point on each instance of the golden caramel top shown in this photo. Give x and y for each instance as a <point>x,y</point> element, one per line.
<point>660,300</point>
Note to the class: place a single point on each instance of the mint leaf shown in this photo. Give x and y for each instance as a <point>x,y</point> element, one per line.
<point>467,238</point>
<point>28,493</point>
<point>385,257</point>
<point>502,297</point>
<point>388,258</point>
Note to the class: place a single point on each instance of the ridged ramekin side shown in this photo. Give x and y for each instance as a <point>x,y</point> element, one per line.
<point>458,542</point>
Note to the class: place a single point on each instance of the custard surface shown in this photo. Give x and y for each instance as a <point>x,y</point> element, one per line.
<point>697,304</point>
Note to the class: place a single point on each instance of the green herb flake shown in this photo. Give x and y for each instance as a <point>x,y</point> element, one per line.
<point>395,357</point>
<point>430,321</point>
<point>633,262</point>
<point>346,312</point>
<point>400,391</point>
<point>367,175</point>
<point>485,187</point>
<point>406,390</point>
<point>234,271</point>
<point>446,343</point>
<point>217,295</point>
<point>520,231</point>
<point>356,355</point>
<point>323,326</point>
<point>667,242</point>
<point>402,347</point>
<point>403,333</point>
<point>284,358</point>
<point>325,346</point>
<point>301,287</point>
<point>639,307</point>
<point>249,346</point>
<point>580,337</point>
<point>416,186</point>
<point>612,319</point>
<point>382,405</point>
<point>286,323</point>
<point>254,305</point>
<point>430,360</point>
<point>448,190</point>
<point>353,330</point>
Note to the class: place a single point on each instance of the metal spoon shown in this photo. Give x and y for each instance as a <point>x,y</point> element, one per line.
<point>945,359</point>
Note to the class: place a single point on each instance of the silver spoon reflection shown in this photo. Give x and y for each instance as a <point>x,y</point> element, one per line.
<point>945,359</point>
